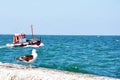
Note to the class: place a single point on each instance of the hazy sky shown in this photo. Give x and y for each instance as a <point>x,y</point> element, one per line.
<point>77,17</point>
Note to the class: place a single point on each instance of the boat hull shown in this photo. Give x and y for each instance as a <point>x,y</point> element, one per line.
<point>30,43</point>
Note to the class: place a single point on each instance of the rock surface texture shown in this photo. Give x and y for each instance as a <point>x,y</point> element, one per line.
<point>19,72</point>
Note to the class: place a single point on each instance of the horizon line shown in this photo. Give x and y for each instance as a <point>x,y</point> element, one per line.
<point>73,34</point>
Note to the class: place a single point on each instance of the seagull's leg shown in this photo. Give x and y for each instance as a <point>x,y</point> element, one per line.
<point>30,65</point>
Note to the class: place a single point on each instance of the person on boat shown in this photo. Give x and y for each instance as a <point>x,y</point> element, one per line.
<point>16,39</point>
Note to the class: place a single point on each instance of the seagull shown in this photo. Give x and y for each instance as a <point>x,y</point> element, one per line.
<point>28,58</point>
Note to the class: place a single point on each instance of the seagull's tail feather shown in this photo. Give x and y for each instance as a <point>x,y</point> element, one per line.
<point>18,59</point>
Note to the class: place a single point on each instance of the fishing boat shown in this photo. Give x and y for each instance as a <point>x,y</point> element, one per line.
<point>20,40</point>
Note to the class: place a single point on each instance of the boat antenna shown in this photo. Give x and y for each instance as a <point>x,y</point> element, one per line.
<point>32,32</point>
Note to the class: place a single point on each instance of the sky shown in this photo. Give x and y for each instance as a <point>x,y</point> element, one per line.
<point>60,17</point>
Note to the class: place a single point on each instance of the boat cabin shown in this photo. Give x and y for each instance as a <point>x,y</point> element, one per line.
<point>19,38</point>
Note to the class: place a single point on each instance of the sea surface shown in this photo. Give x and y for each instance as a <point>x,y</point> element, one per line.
<point>98,55</point>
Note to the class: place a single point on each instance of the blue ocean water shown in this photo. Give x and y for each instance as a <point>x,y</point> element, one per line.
<point>99,55</point>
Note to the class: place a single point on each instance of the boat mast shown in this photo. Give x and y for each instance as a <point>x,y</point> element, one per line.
<point>32,32</point>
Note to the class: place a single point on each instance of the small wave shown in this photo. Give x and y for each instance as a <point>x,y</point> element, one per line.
<point>2,47</point>
<point>117,40</point>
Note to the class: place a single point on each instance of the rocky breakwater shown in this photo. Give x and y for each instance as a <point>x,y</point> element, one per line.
<point>19,72</point>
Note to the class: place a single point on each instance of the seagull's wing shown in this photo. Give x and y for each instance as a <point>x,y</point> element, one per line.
<point>25,58</point>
